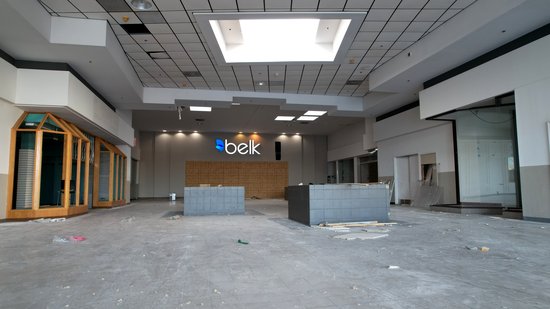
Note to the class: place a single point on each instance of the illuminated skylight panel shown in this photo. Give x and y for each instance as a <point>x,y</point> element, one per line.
<point>279,40</point>
<point>307,118</point>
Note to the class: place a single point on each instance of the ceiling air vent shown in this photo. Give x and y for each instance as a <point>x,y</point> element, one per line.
<point>135,29</point>
<point>192,74</point>
<point>354,82</point>
<point>159,55</point>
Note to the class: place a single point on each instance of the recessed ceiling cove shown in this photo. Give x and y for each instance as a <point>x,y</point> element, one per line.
<point>264,38</point>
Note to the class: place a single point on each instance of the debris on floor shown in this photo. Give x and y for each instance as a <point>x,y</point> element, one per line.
<point>175,217</point>
<point>242,242</point>
<point>128,219</point>
<point>393,267</point>
<point>49,220</point>
<point>361,236</point>
<point>68,239</point>
<point>482,249</point>
<point>356,224</point>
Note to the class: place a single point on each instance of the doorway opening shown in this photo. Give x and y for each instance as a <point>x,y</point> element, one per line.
<point>407,176</point>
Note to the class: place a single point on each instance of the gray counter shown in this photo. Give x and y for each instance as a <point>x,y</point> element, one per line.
<point>334,203</point>
<point>200,201</point>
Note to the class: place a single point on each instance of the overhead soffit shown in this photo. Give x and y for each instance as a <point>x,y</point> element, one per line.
<point>168,50</point>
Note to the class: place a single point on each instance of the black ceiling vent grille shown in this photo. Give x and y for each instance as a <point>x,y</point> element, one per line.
<point>192,74</point>
<point>354,82</point>
<point>159,55</point>
<point>135,29</point>
<point>115,5</point>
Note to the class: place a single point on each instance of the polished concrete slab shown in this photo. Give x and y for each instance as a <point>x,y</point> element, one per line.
<point>137,257</point>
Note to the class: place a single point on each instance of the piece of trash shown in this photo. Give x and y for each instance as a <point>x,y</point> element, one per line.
<point>393,267</point>
<point>242,242</point>
<point>128,219</point>
<point>67,239</point>
<point>376,231</point>
<point>361,236</point>
<point>175,217</point>
<point>472,248</point>
<point>354,288</point>
<point>216,291</point>
<point>49,220</point>
<point>484,249</point>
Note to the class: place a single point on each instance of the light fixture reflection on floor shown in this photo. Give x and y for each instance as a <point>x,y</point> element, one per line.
<point>141,4</point>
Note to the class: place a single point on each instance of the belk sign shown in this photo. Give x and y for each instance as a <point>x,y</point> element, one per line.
<point>242,148</point>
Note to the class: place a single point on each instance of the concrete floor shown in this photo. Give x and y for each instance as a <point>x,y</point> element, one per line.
<point>134,257</point>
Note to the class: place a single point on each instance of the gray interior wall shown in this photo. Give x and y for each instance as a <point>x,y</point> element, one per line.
<point>163,156</point>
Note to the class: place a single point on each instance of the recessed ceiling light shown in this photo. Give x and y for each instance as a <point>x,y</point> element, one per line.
<point>195,131</point>
<point>141,4</point>
<point>255,132</point>
<point>284,133</point>
<point>307,118</point>
<point>164,131</point>
<point>261,83</point>
<point>280,37</point>
<point>284,118</point>
<point>179,131</point>
<point>297,133</point>
<point>315,113</point>
<point>200,108</point>
<point>240,132</point>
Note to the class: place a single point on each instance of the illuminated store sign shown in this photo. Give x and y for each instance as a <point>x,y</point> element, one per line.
<point>242,148</point>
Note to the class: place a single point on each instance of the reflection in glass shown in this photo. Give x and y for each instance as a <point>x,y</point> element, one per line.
<point>51,183</point>
<point>24,170</point>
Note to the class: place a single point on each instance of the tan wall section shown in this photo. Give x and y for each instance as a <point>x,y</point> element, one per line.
<point>260,179</point>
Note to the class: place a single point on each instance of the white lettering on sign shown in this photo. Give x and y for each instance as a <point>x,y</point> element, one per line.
<point>250,148</point>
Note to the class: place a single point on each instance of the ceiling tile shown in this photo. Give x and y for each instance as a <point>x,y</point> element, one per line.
<point>388,36</point>
<point>183,28</point>
<point>120,16</point>
<point>401,45</point>
<point>114,5</point>
<point>172,47</point>
<point>72,15</point>
<point>103,16</point>
<point>168,5</point>
<point>366,36</point>
<point>151,17</point>
<point>129,48</point>
<point>152,47</point>
<point>175,16</point>
<point>223,4</point>
<point>158,28</point>
<point>139,56</point>
<point>372,26</point>
<point>87,6</point>
<point>410,36</point>
<point>359,4</point>
<point>462,4</point>
<point>385,4</point>
<point>404,15</point>
<point>283,5</point>
<point>125,39</point>
<point>196,4</point>
<point>429,15</point>
<point>144,38</point>
<point>396,26</point>
<point>439,4</point>
<point>412,4</point>
<point>420,26</point>
<point>379,15</point>
<point>166,38</point>
<point>449,14</point>
<point>188,38</point>
<point>250,4</point>
<point>332,4</point>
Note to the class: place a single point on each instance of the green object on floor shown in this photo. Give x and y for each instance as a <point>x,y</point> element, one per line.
<point>242,242</point>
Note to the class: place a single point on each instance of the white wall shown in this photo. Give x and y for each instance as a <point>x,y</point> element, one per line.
<point>406,134</point>
<point>519,68</point>
<point>347,142</point>
<point>163,156</point>
<point>526,71</point>
<point>62,93</point>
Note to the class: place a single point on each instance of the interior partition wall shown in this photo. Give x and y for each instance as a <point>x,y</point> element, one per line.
<point>109,175</point>
<point>49,168</point>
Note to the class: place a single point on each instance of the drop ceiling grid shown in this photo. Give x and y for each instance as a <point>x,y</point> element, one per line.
<point>389,27</point>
